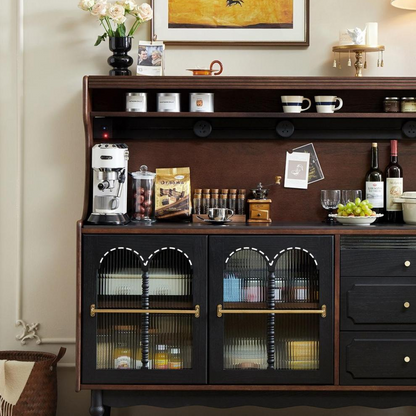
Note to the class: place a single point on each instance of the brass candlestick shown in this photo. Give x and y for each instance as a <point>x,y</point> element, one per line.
<point>359,50</point>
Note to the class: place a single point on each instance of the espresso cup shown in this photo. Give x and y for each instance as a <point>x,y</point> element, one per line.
<point>220,214</point>
<point>293,103</point>
<point>326,103</point>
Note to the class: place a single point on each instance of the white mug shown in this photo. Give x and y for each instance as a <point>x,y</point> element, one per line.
<point>293,103</point>
<point>326,103</point>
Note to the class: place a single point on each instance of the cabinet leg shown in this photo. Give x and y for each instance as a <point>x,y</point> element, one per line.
<point>97,408</point>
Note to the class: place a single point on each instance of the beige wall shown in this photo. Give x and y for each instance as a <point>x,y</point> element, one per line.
<point>46,49</point>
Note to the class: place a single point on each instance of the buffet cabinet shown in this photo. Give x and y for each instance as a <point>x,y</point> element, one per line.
<point>277,315</point>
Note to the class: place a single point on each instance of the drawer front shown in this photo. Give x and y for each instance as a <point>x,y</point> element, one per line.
<point>378,256</point>
<point>378,304</point>
<point>374,263</point>
<point>378,358</point>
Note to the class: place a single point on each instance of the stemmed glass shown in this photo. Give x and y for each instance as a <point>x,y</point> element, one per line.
<point>330,200</point>
<point>350,195</point>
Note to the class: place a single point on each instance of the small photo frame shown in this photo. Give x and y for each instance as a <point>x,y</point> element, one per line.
<point>315,171</point>
<point>151,58</point>
<point>297,170</point>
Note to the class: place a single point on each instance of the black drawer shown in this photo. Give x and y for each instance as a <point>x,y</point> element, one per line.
<point>378,358</point>
<point>375,256</point>
<point>378,303</point>
<point>374,263</point>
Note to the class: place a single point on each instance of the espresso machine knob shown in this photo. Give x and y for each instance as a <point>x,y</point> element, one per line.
<point>103,185</point>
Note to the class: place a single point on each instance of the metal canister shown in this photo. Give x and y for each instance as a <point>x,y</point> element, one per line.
<point>168,102</point>
<point>136,102</point>
<point>202,102</point>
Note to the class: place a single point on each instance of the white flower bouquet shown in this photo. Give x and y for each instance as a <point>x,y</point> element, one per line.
<point>112,16</point>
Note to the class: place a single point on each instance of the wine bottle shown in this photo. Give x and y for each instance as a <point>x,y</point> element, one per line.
<point>374,185</point>
<point>394,186</point>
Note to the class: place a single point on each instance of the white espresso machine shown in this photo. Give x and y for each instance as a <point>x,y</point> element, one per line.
<point>109,191</point>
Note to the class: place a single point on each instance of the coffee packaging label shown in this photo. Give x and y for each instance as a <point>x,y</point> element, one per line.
<point>172,193</point>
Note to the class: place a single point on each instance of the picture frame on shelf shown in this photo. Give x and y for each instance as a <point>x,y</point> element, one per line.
<point>150,58</point>
<point>197,22</point>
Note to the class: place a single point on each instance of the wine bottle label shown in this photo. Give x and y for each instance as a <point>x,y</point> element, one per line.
<point>374,193</point>
<point>394,189</point>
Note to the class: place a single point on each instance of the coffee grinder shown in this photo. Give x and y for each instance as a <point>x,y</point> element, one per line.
<point>109,190</point>
<point>259,207</point>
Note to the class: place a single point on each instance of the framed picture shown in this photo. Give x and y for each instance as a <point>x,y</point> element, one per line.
<point>150,58</point>
<point>231,22</point>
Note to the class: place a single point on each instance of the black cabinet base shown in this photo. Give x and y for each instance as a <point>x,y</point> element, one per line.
<point>272,399</point>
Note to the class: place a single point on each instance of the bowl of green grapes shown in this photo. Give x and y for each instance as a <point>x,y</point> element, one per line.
<point>358,212</point>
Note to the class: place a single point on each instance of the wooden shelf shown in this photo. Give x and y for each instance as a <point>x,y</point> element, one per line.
<point>251,83</point>
<point>249,115</point>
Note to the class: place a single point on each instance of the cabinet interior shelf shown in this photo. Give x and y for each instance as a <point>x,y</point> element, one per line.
<point>99,114</point>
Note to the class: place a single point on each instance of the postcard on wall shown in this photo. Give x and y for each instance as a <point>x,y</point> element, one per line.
<point>296,172</point>
<point>315,171</point>
<point>151,59</point>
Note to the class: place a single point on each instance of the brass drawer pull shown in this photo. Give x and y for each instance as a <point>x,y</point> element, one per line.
<point>407,263</point>
<point>406,359</point>
<point>195,311</point>
<point>322,311</point>
<point>406,305</point>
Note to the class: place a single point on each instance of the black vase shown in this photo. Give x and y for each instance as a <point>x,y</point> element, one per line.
<point>120,61</point>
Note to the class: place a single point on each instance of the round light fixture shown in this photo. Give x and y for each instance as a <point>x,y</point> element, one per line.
<point>404,4</point>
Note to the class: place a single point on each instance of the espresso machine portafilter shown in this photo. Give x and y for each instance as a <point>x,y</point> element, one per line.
<point>109,190</point>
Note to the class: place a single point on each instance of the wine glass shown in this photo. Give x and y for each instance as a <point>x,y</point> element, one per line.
<point>330,200</point>
<point>350,195</point>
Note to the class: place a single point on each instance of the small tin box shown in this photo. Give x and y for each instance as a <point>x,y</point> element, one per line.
<point>201,102</point>
<point>168,102</point>
<point>136,102</point>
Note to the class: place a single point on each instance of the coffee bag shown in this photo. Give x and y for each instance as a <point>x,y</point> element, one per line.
<point>172,194</point>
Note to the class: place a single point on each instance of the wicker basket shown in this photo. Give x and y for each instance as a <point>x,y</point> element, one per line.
<point>40,393</point>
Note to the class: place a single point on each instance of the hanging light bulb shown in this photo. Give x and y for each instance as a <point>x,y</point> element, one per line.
<point>404,4</point>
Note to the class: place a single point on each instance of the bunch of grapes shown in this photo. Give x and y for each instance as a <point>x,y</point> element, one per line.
<point>357,208</point>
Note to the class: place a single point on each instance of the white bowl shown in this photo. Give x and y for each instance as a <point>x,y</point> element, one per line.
<point>355,220</point>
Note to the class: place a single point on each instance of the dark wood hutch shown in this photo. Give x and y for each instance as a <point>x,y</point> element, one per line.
<point>342,330</point>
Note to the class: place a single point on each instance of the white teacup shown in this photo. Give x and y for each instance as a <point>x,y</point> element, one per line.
<point>326,103</point>
<point>293,103</point>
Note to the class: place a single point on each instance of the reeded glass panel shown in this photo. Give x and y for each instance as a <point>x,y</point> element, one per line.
<point>297,342</point>
<point>245,280</point>
<point>119,286</point>
<point>248,336</point>
<point>118,341</point>
<point>170,287</point>
<point>245,343</point>
<point>297,278</point>
<point>297,286</point>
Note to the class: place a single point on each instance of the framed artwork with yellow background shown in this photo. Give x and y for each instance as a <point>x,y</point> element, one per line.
<point>231,22</point>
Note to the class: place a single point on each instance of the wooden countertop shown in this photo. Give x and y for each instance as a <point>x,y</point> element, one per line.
<point>274,228</point>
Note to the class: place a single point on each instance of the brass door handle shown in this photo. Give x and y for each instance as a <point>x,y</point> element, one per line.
<point>322,311</point>
<point>406,305</point>
<point>196,311</point>
<point>406,359</point>
<point>407,263</point>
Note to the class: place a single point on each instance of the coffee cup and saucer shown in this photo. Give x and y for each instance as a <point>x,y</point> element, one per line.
<point>218,216</point>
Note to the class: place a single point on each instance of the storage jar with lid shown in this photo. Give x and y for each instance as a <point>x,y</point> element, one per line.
<point>391,104</point>
<point>408,105</point>
<point>143,194</point>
